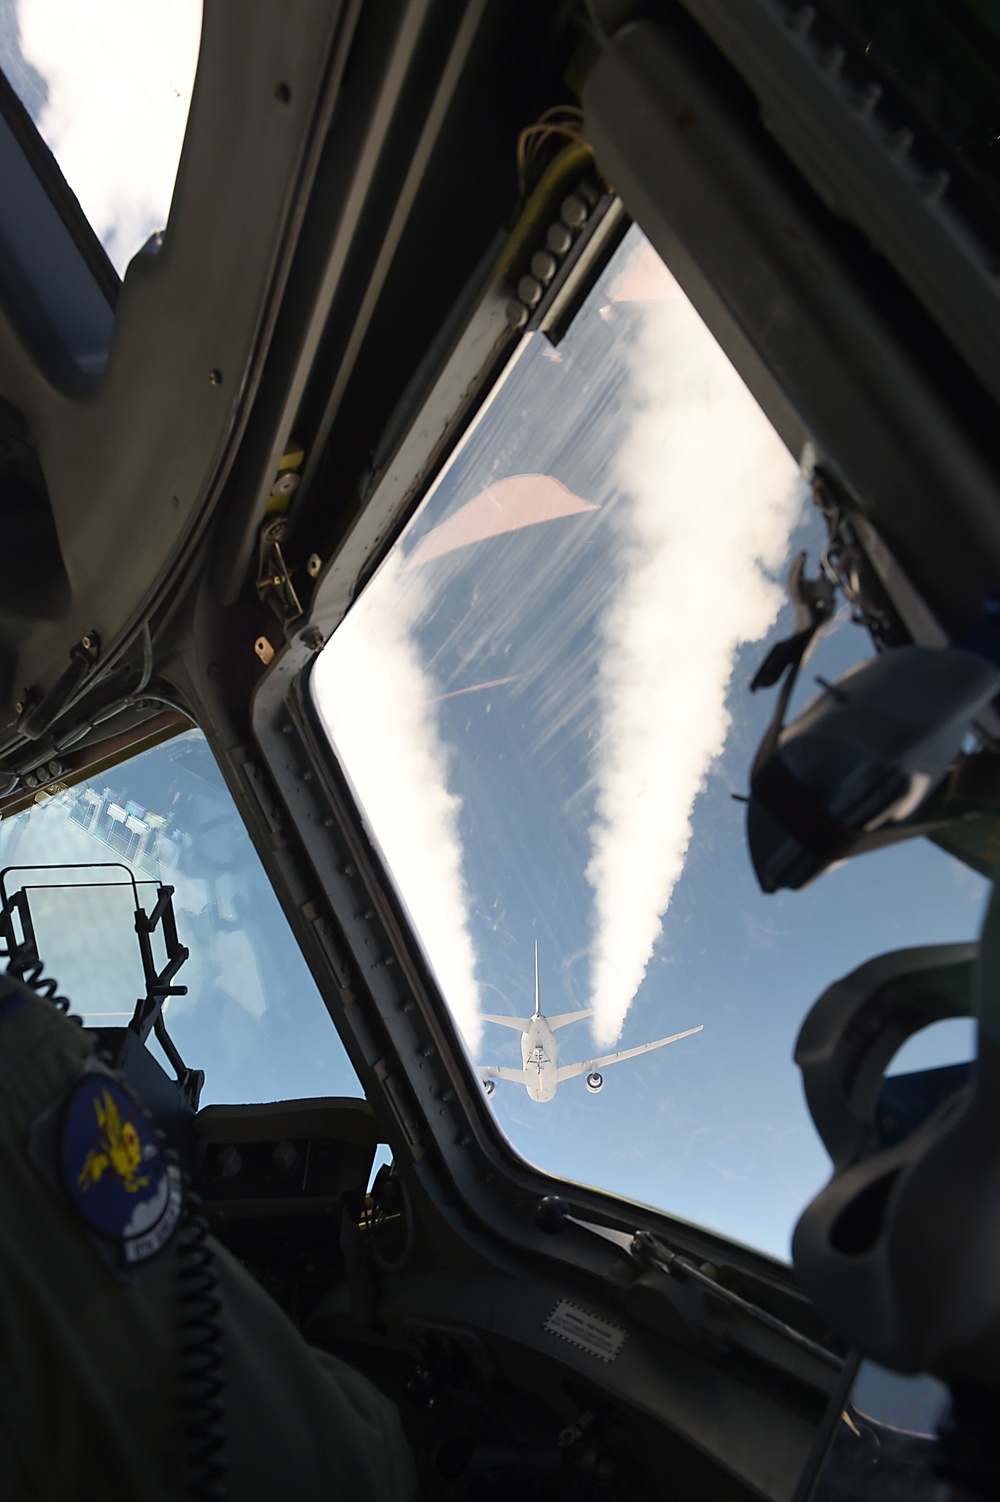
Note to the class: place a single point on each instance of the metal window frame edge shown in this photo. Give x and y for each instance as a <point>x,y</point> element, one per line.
<point>376,982</point>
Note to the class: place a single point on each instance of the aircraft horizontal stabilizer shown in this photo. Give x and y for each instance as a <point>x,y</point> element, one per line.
<point>591,1066</point>
<point>566,1017</point>
<point>499,1072</point>
<point>519,1024</point>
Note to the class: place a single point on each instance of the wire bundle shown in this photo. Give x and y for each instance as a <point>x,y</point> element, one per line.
<point>562,120</point>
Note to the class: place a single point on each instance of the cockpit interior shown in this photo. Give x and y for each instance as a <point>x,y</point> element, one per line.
<point>500,508</point>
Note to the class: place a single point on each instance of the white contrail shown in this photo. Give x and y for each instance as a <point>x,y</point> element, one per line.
<point>376,700</point>
<point>119,75</point>
<point>710,497</point>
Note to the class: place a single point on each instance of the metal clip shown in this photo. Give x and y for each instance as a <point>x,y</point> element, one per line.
<point>274,578</point>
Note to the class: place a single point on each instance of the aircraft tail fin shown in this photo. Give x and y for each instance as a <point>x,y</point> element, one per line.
<point>538,1000</point>
<point>519,1024</point>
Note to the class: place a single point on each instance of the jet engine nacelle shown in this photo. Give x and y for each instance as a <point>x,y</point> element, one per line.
<point>595,1082</point>
<point>489,1086</point>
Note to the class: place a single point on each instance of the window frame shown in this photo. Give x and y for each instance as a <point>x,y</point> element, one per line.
<point>378,986</point>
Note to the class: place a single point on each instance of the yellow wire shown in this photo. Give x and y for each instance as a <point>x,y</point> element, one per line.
<point>560,109</point>
<point>538,134</point>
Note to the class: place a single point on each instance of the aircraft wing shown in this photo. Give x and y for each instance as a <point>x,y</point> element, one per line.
<point>565,1017</point>
<point>500,1072</point>
<point>569,1071</point>
<point>519,1024</point>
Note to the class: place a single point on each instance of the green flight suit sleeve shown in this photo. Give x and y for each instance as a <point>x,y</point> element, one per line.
<point>90,1399</point>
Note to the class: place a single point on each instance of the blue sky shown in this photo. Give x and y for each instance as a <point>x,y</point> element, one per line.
<point>583,796</point>
<point>715,1128</point>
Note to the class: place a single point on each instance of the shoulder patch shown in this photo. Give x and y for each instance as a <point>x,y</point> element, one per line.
<point>113,1171</point>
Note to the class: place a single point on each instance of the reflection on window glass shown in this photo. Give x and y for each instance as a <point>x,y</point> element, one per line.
<point>884,1445</point>
<point>252,1017</point>
<point>914,1404</point>
<point>108,84</point>
<point>542,703</point>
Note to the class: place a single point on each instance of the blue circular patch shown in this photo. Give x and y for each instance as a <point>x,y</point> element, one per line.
<point>113,1170</point>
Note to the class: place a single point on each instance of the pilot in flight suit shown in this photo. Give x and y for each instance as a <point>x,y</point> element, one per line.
<point>91,1401</point>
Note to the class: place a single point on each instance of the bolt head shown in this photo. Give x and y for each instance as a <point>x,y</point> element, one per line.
<point>529,290</point>
<point>573,212</point>
<point>543,265</point>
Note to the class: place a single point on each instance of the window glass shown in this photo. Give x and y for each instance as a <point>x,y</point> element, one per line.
<point>108,85</point>
<point>252,1017</point>
<point>542,702</point>
<point>884,1444</point>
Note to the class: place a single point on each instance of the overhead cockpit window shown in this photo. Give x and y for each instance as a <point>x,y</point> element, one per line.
<point>87,856</point>
<point>542,703</point>
<point>108,85</point>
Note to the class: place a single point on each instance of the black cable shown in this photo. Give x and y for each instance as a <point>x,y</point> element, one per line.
<point>155,698</point>
<point>201,1355</point>
<point>27,972</point>
<point>111,662</point>
<point>146,671</point>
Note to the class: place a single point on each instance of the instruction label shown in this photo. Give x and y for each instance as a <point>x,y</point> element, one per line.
<point>597,1336</point>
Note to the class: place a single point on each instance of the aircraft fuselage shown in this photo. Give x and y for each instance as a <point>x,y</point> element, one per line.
<point>540,1072</point>
<point>540,1057</point>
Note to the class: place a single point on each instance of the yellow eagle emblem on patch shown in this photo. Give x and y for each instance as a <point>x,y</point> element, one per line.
<point>119,1150</point>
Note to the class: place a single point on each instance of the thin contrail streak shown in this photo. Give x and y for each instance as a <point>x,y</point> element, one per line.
<point>474,688</point>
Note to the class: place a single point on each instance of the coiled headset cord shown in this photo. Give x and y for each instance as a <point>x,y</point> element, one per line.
<point>201,1355</point>
<point>26,970</point>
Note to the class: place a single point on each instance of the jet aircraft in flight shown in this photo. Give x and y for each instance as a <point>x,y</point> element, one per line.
<point>541,1072</point>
